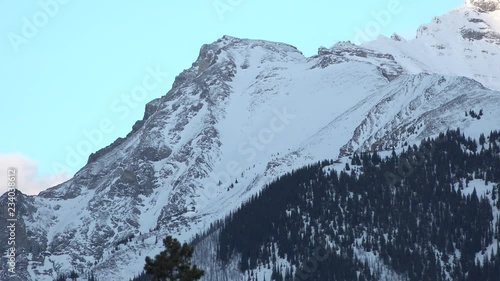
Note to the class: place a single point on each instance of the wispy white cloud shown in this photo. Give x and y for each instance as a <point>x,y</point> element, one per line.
<point>28,179</point>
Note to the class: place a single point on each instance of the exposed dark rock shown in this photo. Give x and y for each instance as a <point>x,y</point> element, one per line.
<point>96,155</point>
<point>476,20</point>
<point>486,5</point>
<point>471,34</point>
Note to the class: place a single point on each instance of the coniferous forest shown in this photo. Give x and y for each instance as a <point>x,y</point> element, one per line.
<point>427,213</point>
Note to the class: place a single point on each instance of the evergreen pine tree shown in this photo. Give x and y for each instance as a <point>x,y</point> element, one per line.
<point>173,263</point>
<point>482,139</point>
<point>347,168</point>
<point>73,275</point>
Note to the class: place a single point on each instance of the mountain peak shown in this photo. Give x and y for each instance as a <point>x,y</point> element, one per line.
<point>485,5</point>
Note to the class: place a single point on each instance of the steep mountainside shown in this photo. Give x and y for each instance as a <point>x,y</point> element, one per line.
<point>464,42</point>
<point>246,112</point>
<point>366,219</point>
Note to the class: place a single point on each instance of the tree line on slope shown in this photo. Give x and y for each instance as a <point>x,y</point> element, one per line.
<point>320,220</point>
<point>427,226</point>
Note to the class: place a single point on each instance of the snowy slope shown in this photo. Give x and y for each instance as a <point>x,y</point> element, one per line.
<point>246,112</point>
<point>464,42</point>
<point>225,119</point>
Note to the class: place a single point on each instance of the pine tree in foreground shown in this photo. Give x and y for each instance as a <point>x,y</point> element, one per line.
<point>173,263</point>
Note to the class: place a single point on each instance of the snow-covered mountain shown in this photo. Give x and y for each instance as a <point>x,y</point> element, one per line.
<point>246,112</point>
<point>464,42</point>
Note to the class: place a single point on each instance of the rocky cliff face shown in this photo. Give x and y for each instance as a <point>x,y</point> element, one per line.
<point>246,112</point>
<point>485,5</point>
<point>463,42</point>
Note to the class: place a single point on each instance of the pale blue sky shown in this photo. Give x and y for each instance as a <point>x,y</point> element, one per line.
<point>66,67</point>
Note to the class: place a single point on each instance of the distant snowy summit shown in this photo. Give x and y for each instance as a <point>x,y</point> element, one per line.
<point>462,42</point>
<point>486,5</point>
